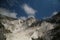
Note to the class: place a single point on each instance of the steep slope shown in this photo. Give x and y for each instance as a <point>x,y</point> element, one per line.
<point>54,34</point>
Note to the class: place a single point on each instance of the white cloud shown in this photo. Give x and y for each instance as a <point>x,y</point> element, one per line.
<point>7,13</point>
<point>30,11</point>
<point>54,13</point>
<point>22,17</point>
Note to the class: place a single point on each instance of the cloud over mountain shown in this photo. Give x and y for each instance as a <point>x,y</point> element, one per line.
<point>29,10</point>
<point>8,13</point>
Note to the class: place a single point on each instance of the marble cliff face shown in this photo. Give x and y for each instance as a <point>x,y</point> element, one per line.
<point>30,29</point>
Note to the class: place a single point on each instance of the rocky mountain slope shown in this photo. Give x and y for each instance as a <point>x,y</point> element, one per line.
<point>30,29</point>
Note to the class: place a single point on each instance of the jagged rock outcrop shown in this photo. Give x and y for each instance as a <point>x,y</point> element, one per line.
<point>30,29</point>
<point>2,28</point>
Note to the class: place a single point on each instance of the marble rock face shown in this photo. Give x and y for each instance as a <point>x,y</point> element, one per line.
<point>30,29</point>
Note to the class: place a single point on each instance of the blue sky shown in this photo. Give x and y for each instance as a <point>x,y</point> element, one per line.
<point>44,8</point>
